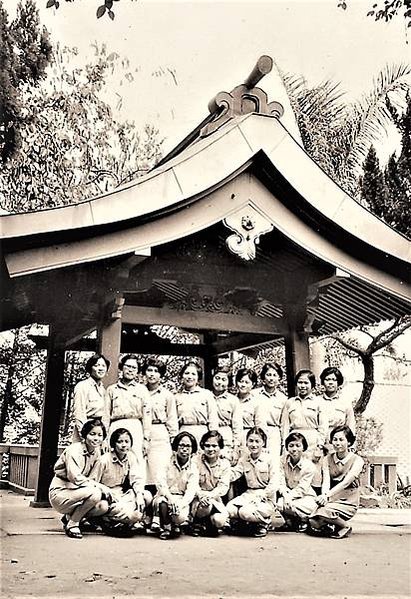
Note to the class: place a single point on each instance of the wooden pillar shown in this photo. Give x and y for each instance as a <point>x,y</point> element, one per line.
<point>50,422</point>
<point>109,343</point>
<point>210,361</point>
<point>297,356</point>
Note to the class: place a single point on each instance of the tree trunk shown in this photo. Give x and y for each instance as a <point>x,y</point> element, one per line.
<point>368,384</point>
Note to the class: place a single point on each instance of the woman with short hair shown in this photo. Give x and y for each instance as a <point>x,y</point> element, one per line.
<point>338,406</point>
<point>251,411</point>
<point>196,407</point>
<point>230,422</point>
<point>89,398</point>
<point>73,492</point>
<point>272,401</point>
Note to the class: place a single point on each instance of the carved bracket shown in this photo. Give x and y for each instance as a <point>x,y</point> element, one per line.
<point>248,226</point>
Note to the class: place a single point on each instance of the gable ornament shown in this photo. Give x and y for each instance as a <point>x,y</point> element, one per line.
<point>247,225</point>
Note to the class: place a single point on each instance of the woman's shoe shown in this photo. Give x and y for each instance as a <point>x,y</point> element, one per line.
<point>165,535</point>
<point>73,532</point>
<point>342,533</point>
<point>260,531</point>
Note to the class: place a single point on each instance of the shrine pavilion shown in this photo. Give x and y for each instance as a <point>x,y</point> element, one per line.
<point>237,235</point>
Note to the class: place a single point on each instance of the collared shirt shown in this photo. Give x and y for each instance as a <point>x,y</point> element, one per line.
<point>130,401</point>
<point>339,411</point>
<point>336,470</point>
<point>272,405</point>
<point>112,472</point>
<point>179,480</point>
<point>304,414</point>
<point>164,409</point>
<point>75,463</point>
<point>230,414</point>
<point>214,478</point>
<point>197,406</point>
<point>89,402</point>
<point>298,477</point>
<point>251,412</point>
<point>261,473</point>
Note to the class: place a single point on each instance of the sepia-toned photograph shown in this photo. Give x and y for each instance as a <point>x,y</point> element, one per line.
<point>205,305</point>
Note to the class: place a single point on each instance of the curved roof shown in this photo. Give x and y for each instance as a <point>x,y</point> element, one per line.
<point>205,165</point>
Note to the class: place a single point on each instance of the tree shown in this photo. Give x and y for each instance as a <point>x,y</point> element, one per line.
<point>337,134</point>
<point>72,146</point>
<point>387,191</point>
<point>24,55</point>
<point>386,10</point>
<point>357,346</point>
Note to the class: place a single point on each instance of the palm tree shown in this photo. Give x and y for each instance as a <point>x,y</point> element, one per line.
<point>337,134</point>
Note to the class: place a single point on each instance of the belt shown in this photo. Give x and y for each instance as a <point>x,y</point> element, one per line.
<point>156,421</point>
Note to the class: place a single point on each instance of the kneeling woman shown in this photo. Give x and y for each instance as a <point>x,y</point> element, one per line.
<point>339,500</point>
<point>119,470</point>
<point>208,510</point>
<point>176,488</point>
<point>297,499</point>
<point>72,491</point>
<point>257,504</point>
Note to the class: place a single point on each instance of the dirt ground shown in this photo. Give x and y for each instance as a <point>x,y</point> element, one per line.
<point>38,560</point>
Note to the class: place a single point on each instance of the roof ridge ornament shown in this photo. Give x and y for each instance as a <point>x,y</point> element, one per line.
<point>243,99</point>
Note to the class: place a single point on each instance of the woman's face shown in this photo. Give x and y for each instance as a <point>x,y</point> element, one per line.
<point>99,370</point>
<point>123,444</point>
<point>303,385</point>
<point>255,444</point>
<point>340,443</point>
<point>130,369</point>
<point>330,384</point>
<point>184,449</point>
<point>211,449</point>
<point>295,449</point>
<point>153,376</point>
<point>190,377</point>
<point>271,378</point>
<point>94,438</point>
<point>220,382</point>
<point>244,385</point>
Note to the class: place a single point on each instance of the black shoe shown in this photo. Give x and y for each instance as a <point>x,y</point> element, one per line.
<point>260,531</point>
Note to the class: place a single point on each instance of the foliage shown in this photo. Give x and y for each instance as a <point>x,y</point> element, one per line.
<point>72,147</point>
<point>25,51</point>
<point>337,134</point>
<point>22,369</point>
<point>387,191</point>
<point>386,10</point>
<point>369,436</point>
<point>399,500</point>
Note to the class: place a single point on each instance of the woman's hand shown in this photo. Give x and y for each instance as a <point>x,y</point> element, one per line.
<point>323,499</point>
<point>205,501</point>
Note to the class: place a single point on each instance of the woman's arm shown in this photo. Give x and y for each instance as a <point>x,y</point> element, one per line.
<point>171,421</point>
<point>353,473</point>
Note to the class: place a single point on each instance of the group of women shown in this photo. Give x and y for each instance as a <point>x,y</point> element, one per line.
<point>207,461</point>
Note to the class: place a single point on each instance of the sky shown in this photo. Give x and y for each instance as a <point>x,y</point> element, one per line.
<point>182,54</point>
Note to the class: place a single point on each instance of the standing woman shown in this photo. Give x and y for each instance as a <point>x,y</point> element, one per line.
<point>72,491</point>
<point>251,412</point>
<point>164,425</point>
<point>176,488</point>
<point>272,402</point>
<point>89,395</point>
<point>305,412</point>
<point>129,405</point>
<point>338,406</point>
<point>257,504</point>
<point>230,423</point>
<point>340,496</point>
<point>196,407</point>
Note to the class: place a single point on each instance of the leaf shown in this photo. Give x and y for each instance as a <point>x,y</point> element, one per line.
<point>111,15</point>
<point>100,11</point>
<point>50,3</point>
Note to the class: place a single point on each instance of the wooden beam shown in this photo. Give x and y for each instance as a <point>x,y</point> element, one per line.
<point>198,320</point>
<point>239,342</point>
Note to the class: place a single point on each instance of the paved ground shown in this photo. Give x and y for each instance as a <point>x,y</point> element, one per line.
<point>38,560</point>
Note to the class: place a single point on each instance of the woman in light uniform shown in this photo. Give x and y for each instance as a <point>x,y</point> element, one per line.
<point>338,406</point>
<point>164,425</point>
<point>230,424</point>
<point>251,412</point>
<point>129,406</point>
<point>196,407</point>
<point>89,399</point>
<point>305,412</point>
<point>272,402</point>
